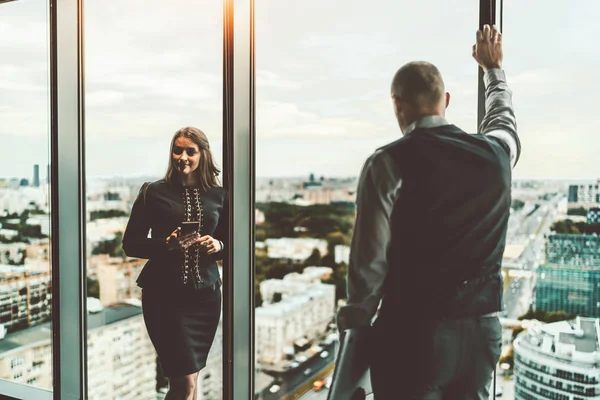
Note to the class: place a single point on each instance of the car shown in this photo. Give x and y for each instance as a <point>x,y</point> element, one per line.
<point>294,364</point>
<point>324,354</point>
<point>318,385</point>
<point>274,388</point>
<point>307,371</point>
<point>301,359</point>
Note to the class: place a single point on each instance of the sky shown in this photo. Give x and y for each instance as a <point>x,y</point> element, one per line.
<point>323,74</point>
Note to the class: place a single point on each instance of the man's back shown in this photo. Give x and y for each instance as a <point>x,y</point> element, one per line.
<point>449,221</point>
<point>430,229</point>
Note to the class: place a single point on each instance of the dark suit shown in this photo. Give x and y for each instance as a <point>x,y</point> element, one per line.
<point>432,214</point>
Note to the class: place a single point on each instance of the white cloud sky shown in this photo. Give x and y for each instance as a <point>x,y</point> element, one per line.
<point>323,74</point>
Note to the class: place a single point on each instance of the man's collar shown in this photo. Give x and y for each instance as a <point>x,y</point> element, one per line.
<point>429,121</point>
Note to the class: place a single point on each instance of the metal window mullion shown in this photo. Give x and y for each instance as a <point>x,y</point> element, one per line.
<point>238,156</point>
<point>487,15</point>
<point>68,200</point>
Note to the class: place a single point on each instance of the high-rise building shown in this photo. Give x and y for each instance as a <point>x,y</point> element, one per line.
<point>584,195</point>
<point>117,279</point>
<point>121,359</point>
<point>593,216</point>
<point>573,289</point>
<point>558,361</point>
<point>25,298</point>
<point>304,312</point>
<point>573,250</point>
<point>36,175</point>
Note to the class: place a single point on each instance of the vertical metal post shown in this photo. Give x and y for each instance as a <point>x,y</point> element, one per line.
<point>487,15</point>
<point>238,160</point>
<point>68,200</point>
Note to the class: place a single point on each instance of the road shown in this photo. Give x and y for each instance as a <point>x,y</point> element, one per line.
<point>528,231</point>
<point>295,379</point>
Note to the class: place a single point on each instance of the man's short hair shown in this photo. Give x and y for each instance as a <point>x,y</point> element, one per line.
<point>420,83</point>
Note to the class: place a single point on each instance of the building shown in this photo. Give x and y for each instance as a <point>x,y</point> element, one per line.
<point>121,359</point>
<point>36,175</point>
<point>210,379</point>
<point>584,195</point>
<point>296,250</point>
<point>575,250</point>
<point>593,216</point>
<point>573,289</point>
<point>342,254</point>
<point>117,278</point>
<point>559,361</point>
<point>310,275</point>
<point>25,299</point>
<point>302,315</point>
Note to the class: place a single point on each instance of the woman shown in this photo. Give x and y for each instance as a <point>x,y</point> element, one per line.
<point>180,283</point>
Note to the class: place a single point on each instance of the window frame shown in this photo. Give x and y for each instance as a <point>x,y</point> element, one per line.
<point>69,313</point>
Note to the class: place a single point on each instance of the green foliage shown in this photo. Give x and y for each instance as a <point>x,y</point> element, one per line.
<point>567,226</point>
<point>581,211</point>
<point>316,221</point>
<point>93,288</point>
<point>517,204</point>
<point>277,297</point>
<point>544,316</point>
<point>112,247</point>
<point>102,214</point>
<point>334,223</point>
<point>516,330</point>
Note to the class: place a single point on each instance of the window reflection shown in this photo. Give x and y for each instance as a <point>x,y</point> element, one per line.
<point>25,274</point>
<point>151,68</point>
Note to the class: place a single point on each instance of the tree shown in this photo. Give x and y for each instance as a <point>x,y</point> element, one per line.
<point>112,247</point>
<point>313,259</point>
<point>517,204</point>
<point>516,330</point>
<point>577,211</point>
<point>277,297</point>
<point>93,288</point>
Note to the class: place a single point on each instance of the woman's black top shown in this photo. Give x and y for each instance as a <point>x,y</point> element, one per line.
<point>159,209</point>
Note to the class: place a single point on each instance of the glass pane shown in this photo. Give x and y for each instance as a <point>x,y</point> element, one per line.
<point>554,237</point>
<point>25,270</point>
<point>324,72</point>
<point>152,67</point>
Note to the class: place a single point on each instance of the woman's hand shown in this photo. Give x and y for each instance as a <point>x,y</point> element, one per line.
<point>210,245</point>
<point>176,241</point>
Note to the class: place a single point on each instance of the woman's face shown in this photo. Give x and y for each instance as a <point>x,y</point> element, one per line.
<point>186,155</point>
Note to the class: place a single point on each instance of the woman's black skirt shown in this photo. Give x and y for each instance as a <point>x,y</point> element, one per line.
<point>181,326</point>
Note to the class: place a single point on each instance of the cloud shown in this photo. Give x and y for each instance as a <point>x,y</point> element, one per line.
<point>269,79</point>
<point>279,120</point>
<point>103,98</point>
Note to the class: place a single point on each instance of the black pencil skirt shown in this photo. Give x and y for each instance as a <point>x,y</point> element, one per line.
<point>181,326</point>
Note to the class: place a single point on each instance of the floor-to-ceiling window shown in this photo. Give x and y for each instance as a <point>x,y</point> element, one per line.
<point>25,234</point>
<point>151,68</point>
<point>323,76</point>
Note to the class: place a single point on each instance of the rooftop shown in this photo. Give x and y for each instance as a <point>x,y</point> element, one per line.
<point>575,341</point>
<point>38,334</point>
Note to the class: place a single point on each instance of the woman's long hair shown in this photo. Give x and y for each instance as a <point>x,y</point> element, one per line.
<point>207,170</point>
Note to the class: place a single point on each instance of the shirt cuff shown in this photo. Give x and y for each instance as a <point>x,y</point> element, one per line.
<point>493,75</point>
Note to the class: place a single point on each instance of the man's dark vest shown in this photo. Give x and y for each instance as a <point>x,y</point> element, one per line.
<point>448,224</point>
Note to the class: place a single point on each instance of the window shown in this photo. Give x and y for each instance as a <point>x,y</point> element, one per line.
<point>323,75</point>
<point>25,272</point>
<point>152,67</point>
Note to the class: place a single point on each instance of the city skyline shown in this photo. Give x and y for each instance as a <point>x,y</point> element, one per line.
<point>323,101</point>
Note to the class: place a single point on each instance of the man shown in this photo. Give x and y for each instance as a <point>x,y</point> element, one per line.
<point>430,230</point>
